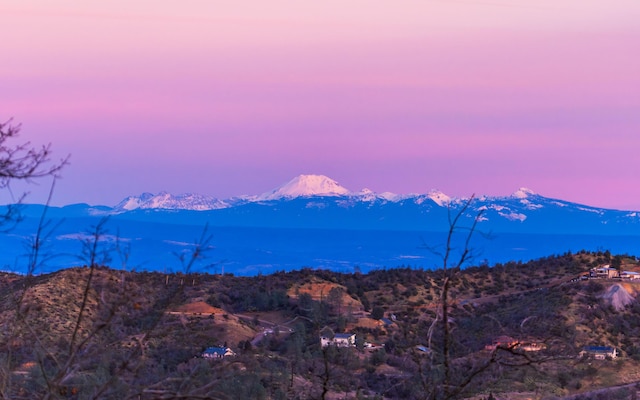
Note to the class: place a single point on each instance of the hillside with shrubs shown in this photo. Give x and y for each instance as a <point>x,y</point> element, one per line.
<point>515,330</point>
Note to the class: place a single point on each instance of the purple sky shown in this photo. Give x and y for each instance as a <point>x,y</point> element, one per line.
<point>228,98</point>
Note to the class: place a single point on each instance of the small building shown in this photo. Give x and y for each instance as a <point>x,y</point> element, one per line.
<point>338,340</point>
<point>599,352</point>
<point>630,275</point>
<point>217,352</point>
<point>604,272</point>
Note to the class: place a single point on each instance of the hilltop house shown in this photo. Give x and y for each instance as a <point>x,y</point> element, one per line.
<point>338,340</point>
<point>599,352</point>
<point>604,272</point>
<point>630,275</point>
<point>217,352</point>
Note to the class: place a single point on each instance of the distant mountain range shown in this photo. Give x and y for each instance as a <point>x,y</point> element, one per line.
<point>313,221</point>
<point>316,201</point>
<point>302,186</point>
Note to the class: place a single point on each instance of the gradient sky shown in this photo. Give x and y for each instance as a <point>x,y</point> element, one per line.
<point>225,98</point>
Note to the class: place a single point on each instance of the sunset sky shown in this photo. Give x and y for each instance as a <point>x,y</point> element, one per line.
<point>225,98</point>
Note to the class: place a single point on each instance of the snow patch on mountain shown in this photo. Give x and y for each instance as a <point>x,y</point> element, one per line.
<point>420,199</point>
<point>392,196</point>
<point>513,216</point>
<point>306,186</point>
<point>529,205</point>
<point>592,210</point>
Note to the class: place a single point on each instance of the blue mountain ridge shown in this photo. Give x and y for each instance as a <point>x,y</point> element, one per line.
<point>342,232</point>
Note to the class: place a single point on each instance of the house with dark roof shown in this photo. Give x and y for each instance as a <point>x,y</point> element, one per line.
<point>217,352</point>
<point>599,352</point>
<point>338,340</point>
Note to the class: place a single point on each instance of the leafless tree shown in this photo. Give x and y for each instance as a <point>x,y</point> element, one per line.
<point>451,267</point>
<point>456,254</point>
<point>21,161</point>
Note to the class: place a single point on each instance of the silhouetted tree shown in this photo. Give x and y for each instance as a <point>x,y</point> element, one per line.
<point>22,162</point>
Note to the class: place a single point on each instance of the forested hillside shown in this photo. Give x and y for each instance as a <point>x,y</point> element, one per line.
<point>95,332</point>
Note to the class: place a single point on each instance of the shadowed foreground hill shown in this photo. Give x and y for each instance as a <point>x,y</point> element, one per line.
<point>517,332</point>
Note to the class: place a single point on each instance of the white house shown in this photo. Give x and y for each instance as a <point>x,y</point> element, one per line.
<point>605,272</point>
<point>217,352</point>
<point>339,340</point>
<point>599,352</point>
<point>630,275</point>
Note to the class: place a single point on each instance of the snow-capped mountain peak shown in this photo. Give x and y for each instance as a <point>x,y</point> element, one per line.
<point>439,198</point>
<point>133,202</point>
<point>523,193</point>
<point>167,201</point>
<point>306,185</point>
<point>389,196</point>
<point>366,194</point>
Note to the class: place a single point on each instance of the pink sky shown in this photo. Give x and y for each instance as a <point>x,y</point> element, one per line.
<point>406,96</point>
